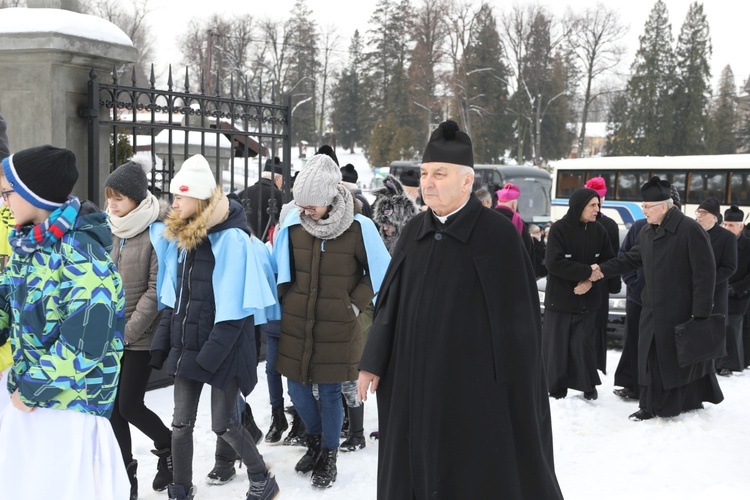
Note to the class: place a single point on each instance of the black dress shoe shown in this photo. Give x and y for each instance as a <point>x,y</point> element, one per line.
<point>559,394</point>
<point>626,393</point>
<point>641,415</point>
<point>591,395</point>
<point>724,372</point>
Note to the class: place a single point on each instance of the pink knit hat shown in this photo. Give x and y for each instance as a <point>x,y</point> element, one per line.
<point>509,192</point>
<point>598,185</point>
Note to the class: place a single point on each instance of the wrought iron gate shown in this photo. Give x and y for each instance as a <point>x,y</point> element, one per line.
<point>233,133</point>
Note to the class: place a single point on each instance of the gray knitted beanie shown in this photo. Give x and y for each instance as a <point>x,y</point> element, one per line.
<point>130,180</point>
<point>316,183</point>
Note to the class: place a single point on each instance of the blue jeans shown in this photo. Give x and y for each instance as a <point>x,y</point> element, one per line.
<point>275,386</point>
<point>325,419</point>
<point>225,422</point>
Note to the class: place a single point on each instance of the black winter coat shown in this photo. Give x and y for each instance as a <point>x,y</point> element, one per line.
<point>457,325</point>
<point>680,273</point>
<point>724,245</point>
<point>258,197</point>
<point>199,349</point>
<point>635,280</point>
<point>739,283</point>
<point>572,247</point>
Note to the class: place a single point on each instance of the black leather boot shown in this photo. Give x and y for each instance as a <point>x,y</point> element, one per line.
<point>310,458</point>
<point>163,469</point>
<point>132,470</point>
<point>356,439</point>
<point>324,474</point>
<point>297,435</point>
<point>278,425</point>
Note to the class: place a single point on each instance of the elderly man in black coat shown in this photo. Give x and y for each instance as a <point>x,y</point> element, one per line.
<point>571,300</point>
<point>456,344</point>
<point>678,263</point>
<point>739,295</point>
<point>724,245</point>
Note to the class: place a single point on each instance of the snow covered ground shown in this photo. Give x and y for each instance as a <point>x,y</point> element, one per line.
<point>599,453</point>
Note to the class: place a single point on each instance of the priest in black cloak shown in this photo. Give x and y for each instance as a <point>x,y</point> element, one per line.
<point>454,351</point>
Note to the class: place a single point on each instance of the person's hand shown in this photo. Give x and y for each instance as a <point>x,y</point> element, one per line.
<point>596,273</point>
<point>366,381</point>
<point>583,287</point>
<point>19,404</point>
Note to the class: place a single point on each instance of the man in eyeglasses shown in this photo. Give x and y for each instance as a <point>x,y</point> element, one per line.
<point>724,246</point>
<point>680,275</point>
<point>739,295</point>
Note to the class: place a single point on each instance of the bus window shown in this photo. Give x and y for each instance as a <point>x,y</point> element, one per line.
<point>740,188</point>
<point>568,181</point>
<point>629,185</point>
<point>706,183</point>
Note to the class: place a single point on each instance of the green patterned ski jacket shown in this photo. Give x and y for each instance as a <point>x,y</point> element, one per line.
<point>63,309</point>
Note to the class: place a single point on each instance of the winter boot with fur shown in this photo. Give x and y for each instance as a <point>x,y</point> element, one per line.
<point>308,460</point>
<point>324,473</point>
<point>163,469</point>
<point>177,492</point>
<point>132,469</point>
<point>356,439</point>
<point>298,434</point>
<point>278,425</point>
<point>262,487</point>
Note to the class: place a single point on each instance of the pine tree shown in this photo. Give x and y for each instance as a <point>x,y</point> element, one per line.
<point>619,137</point>
<point>693,90</point>
<point>386,56</point>
<point>725,116</point>
<point>348,98</point>
<point>650,115</point>
<point>556,136</point>
<point>303,66</point>
<point>381,151</point>
<point>428,31</point>
<point>487,90</point>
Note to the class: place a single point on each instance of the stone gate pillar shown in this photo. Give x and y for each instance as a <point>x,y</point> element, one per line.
<point>46,55</point>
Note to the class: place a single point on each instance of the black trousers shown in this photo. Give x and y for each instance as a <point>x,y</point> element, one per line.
<point>626,374</point>
<point>130,408</point>
<point>569,348</point>
<point>735,358</point>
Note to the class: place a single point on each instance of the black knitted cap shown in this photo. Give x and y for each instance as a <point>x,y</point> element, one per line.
<point>349,173</point>
<point>44,176</point>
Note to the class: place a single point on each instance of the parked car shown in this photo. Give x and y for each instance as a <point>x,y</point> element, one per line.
<point>616,320</point>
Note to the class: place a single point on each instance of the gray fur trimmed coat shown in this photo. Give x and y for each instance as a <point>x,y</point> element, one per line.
<point>391,211</point>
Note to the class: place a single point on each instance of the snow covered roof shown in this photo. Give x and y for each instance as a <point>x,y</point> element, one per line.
<point>20,20</point>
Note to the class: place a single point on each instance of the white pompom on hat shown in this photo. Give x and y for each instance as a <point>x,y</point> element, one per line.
<point>316,183</point>
<point>195,179</point>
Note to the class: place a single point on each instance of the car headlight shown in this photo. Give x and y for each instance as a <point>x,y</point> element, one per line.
<point>617,304</point>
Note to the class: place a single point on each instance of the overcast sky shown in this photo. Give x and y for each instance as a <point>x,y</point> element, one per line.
<point>728,21</point>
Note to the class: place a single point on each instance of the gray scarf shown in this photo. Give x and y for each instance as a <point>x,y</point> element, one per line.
<point>339,218</point>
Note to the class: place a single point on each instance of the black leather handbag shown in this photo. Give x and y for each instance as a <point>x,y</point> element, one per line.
<point>700,340</point>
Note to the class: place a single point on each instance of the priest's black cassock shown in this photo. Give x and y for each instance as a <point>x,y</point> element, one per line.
<point>456,340</point>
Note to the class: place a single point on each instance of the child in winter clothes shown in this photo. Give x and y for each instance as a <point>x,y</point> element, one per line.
<point>216,281</point>
<point>62,309</point>
<point>132,210</point>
